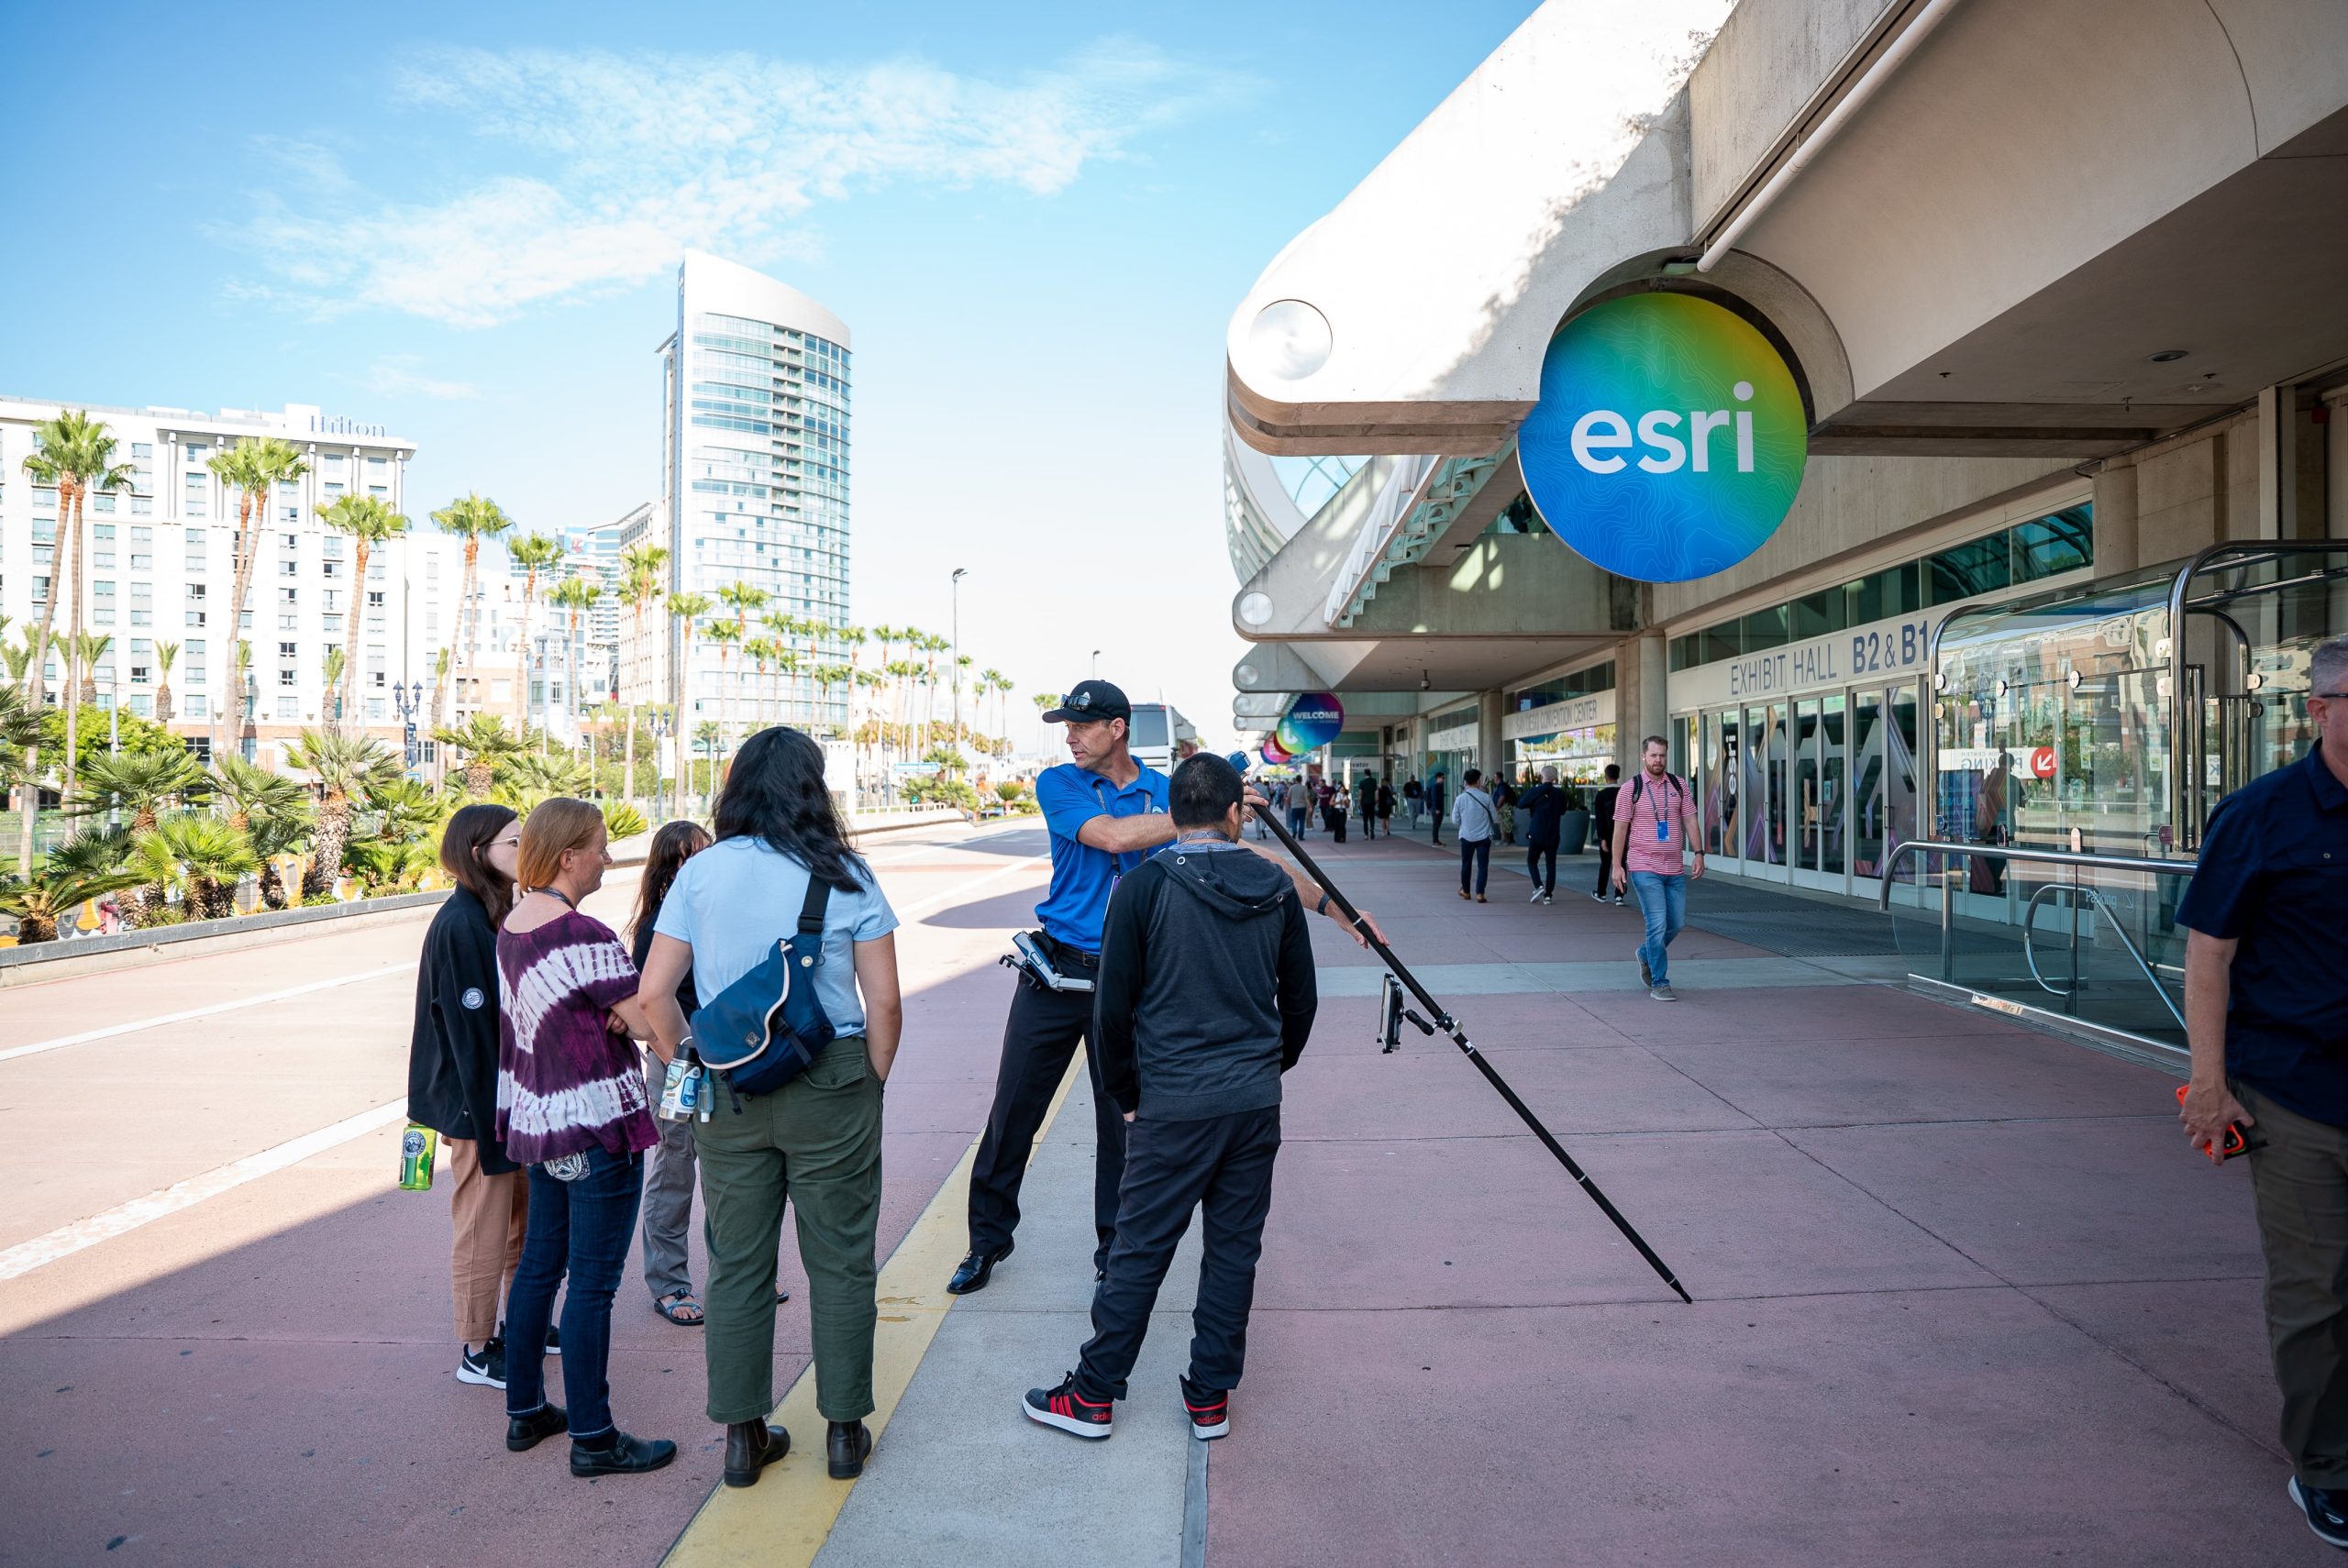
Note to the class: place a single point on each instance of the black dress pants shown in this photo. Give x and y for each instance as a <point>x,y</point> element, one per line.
<point>1221,1166</point>
<point>1605,862</point>
<point>1533,859</point>
<point>1038,1038</point>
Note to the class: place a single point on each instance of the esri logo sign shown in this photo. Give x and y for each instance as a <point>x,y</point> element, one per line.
<point>1669,438</point>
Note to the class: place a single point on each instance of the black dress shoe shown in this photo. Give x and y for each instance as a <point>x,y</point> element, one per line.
<point>524,1432</point>
<point>750,1447</point>
<point>847,1446</point>
<point>623,1455</point>
<point>976,1270</point>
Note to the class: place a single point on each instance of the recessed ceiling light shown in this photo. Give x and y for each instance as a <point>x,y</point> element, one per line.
<point>2167,355</point>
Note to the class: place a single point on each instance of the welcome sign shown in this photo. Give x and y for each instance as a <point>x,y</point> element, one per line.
<point>1312,722</point>
<point>1669,438</point>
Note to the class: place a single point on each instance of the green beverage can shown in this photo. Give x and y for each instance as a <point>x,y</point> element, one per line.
<point>418,1145</point>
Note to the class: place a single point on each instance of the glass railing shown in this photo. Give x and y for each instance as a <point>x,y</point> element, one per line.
<point>2089,940</point>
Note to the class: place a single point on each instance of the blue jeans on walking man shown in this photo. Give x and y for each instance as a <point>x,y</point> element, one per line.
<point>1663,899</point>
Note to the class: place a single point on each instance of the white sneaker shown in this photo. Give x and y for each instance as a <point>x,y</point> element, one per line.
<point>1618,900</point>
<point>1599,899</point>
<point>1547,900</point>
<point>1535,898</point>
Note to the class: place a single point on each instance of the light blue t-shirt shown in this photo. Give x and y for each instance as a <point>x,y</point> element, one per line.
<point>732,901</point>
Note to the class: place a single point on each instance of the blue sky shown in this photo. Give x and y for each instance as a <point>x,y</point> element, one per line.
<point>463,222</point>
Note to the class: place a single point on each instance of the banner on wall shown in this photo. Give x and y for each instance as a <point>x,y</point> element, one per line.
<point>1312,722</point>
<point>1669,438</point>
<point>1272,754</point>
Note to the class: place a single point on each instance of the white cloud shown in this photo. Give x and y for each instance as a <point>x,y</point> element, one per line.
<point>398,376</point>
<point>613,165</point>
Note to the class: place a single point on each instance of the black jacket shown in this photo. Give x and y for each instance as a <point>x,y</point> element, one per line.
<point>1206,992</point>
<point>641,949</point>
<point>452,1056</point>
<point>1545,805</point>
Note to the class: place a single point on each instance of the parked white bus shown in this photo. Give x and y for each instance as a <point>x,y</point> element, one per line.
<point>1159,731</point>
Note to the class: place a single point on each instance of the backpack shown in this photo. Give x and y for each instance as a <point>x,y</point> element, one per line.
<point>768,1027</point>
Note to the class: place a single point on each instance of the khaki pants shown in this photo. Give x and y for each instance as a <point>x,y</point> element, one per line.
<point>817,1143</point>
<point>2301,1180</point>
<point>490,1213</point>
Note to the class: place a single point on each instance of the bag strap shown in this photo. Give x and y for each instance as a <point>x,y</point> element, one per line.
<point>811,913</point>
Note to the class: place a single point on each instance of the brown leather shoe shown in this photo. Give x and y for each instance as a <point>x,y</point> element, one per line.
<point>847,1446</point>
<point>750,1447</point>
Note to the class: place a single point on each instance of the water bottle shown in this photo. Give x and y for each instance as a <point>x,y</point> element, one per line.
<point>680,1091</point>
<point>418,1146</point>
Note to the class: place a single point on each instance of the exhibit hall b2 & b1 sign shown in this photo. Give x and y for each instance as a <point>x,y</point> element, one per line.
<point>1669,439</point>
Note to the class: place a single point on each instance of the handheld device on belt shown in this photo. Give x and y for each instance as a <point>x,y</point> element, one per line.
<point>2235,1141</point>
<point>1032,954</point>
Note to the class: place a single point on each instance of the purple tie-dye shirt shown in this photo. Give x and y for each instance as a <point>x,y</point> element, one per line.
<point>566,1083</point>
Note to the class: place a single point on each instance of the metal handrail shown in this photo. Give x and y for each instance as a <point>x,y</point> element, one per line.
<point>2178,868</point>
<point>2094,900</point>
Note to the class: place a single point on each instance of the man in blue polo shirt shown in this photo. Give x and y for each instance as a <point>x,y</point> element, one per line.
<point>2267,1013</point>
<point>1107,814</point>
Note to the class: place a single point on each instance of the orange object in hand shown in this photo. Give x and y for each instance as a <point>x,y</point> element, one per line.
<point>2234,1143</point>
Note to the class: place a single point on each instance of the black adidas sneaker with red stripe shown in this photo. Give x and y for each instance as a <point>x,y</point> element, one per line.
<point>1210,1410</point>
<point>1066,1408</point>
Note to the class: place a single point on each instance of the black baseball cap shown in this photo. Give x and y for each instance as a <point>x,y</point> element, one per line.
<point>1089,701</point>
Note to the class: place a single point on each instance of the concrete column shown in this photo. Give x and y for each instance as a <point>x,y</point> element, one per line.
<point>2115,518</point>
<point>1641,695</point>
<point>2278,463</point>
<point>1488,754</point>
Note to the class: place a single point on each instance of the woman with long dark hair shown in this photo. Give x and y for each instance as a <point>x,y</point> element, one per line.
<point>816,1141</point>
<point>452,1079</point>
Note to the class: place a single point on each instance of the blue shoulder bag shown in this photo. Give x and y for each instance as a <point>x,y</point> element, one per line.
<point>766,1028</point>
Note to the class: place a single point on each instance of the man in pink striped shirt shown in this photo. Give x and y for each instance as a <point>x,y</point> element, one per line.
<point>1655,828</point>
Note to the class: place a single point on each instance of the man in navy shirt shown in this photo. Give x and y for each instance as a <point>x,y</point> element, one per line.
<point>2267,1013</point>
<point>1107,815</point>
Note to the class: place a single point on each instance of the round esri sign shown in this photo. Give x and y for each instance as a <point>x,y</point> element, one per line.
<point>1669,438</point>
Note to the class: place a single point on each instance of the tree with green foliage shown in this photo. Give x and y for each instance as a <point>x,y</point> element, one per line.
<point>198,853</point>
<point>577,596</point>
<point>369,523</point>
<point>344,764</point>
<point>88,865</point>
<point>166,655</point>
<point>527,779</point>
<point>471,518</point>
<point>252,468</point>
<point>276,813</point>
<point>640,586</point>
<point>487,744</point>
<point>138,783</point>
<point>532,554</point>
<point>92,740</point>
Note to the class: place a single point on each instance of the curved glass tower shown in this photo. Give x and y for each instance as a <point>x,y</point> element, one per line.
<point>754,478</point>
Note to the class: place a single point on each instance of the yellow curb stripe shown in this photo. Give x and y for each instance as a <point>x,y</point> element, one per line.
<point>783,1522</point>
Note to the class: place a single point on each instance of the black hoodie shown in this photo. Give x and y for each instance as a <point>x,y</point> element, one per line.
<point>1206,990</point>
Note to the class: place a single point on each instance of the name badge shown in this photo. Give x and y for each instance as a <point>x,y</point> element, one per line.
<point>1663,830</point>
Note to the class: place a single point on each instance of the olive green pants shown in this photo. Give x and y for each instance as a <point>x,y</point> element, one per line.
<point>817,1143</point>
<point>2301,1181</point>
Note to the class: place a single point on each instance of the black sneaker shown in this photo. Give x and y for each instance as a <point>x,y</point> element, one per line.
<point>524,1432</point>
<point>1066,1408</point>
<point>1210,1410</point>
<point>2326,1516</point>
<point>485,1366</point>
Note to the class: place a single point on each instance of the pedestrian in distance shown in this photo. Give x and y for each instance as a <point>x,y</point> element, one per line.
<point>1654,830</point>
<point>1544,807</point>
<point>1411,794</point>
<point>668,1189</point>
<point>1504,807</point>
<point>571,1105</point>
<point>2265,1014</point>
<point>1295,797</point>
<point>1341,806</point>
<point>1386,807</point>
<point>1107,816</point>
<point>1207,998</point>
<point>781,859</point>
<point>1434,798</point>
<point>452,1079</point>
<point>1602,824</point>
<point>1366,805</point>
<point>1477,819</point>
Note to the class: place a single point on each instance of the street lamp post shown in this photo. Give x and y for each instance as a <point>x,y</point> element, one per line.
<point>1096,664</point>
<point>960,573</point>
<point>408,702</point>
<point>660,728</point>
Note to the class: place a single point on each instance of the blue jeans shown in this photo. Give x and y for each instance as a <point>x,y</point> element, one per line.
<point>581,1227</point>
<point>1662,899</point>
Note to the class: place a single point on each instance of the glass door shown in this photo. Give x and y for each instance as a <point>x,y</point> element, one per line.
<point>1807,816</point>
<point>1718,788</point>
<point>1867,793</point>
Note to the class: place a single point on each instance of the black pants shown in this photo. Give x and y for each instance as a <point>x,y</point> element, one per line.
<point>1336,825</point>
<point>1370,823</point>
<point>1221,1166</point>
<point>1533,857</point>
<point>1606,863</point>
<point>1476,855</point>
<point>1438,824</point>
<point>1038,1038</point>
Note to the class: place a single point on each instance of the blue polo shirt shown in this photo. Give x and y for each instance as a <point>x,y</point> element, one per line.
<point>2274,874</point>
<point>1081,876</point>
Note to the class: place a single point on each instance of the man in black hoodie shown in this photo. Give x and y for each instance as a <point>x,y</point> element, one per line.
<point>1205,997</point>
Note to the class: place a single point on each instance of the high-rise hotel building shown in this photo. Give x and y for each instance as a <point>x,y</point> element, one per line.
<point>755,485</point>
<point>158,568</point>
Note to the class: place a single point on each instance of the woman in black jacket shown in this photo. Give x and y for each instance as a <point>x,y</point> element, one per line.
<point>452,1077</point>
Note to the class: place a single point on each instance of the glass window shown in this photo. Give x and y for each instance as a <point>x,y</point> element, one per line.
<point>1815,614</point>
<point>1980,566</point>
<point>2060,542</point>
<point>1764,629</point>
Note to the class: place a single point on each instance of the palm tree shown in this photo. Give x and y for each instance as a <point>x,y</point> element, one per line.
<point>530,779</point>
<point>725,635</point>
<point>760,649</point>
<point>688,609</point>
<point>267,807</point>
<point>19,733</point>
<point>1002,689</point>
<point>44,898</point>
<point>474,518</point>
<point>707,734</point>
<point>344,764</point>
<point>641,585</point>
<point>76,454</point>
<point>742,598</point>
<point>137,782</point>
<point>252,467</point>
<point>89,648</point>
<point>199,853</point>
<point>336,665</point>
<point>369,523</point>
<point>166,655</point>
<point>780,629</point>
<point>575,596</point>
<point>403,808</point>
<point>487,745</point>
<point>532,553</point>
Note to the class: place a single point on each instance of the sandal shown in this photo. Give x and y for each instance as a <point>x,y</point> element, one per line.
<point>680,1308</point>
<point>781,1296</point>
